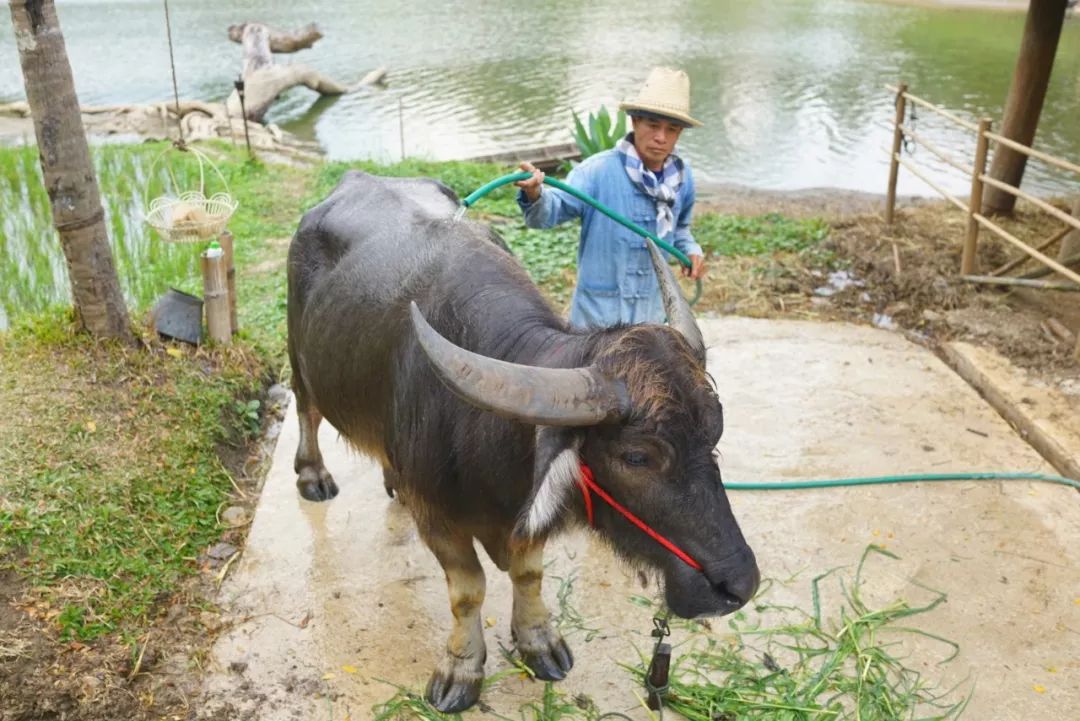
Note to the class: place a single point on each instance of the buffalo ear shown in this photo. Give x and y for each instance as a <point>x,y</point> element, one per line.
<point>556,473</point>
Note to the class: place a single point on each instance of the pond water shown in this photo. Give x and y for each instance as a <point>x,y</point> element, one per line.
<point>790,90</point>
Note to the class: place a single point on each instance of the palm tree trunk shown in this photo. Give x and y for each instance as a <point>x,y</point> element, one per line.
<point>69,176</point>
<point>1042,29</point>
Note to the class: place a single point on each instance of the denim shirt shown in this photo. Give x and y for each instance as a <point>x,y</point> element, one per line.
<point>615,282</point>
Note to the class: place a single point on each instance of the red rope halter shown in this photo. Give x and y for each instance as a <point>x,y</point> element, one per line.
<point>588,483</point>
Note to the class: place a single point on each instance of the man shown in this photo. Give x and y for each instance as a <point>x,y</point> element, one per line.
<point>641,179</point>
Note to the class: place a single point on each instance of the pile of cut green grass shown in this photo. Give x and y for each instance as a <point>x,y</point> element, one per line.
<point>801,666</point>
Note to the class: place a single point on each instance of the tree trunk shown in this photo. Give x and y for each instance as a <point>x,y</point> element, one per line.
<point>68,173</point>
<point>1026,94</point>
<point>1070,246</point>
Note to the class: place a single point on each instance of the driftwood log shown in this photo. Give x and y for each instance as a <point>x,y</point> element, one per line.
<point>264,81</point>
<point>157,121</point>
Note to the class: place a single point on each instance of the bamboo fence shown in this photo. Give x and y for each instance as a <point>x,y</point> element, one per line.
<point>972,205</point>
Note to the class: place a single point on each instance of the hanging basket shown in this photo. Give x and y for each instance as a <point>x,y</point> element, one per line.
<point>190,216</point>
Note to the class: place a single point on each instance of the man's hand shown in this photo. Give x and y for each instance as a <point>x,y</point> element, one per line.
<point>532,185</point>
<point>696,269</point>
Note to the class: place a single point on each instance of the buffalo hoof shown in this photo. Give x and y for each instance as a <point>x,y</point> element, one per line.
<point>545,653</point>
<point>551,664</point>
<point>454,692</point>
<point>316,485</point>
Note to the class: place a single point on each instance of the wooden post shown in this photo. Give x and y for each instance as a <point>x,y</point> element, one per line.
<point>226,240</point>
<point>216,296</point>
<point>971,241</point>
<point>897,141</point>
<point>1031,78</point>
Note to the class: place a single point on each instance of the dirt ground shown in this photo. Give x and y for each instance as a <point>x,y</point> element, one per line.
<point>155,677</point>
<point>902,278</point>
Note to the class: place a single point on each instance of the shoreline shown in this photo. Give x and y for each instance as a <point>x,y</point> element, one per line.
<point>1014,6</point>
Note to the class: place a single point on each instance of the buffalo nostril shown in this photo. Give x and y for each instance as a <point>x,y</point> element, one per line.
<point>737,586</point>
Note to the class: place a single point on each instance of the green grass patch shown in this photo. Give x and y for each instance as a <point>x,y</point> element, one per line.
<point>736,235</point>
<point>112,476</point>
<point>549,255</point>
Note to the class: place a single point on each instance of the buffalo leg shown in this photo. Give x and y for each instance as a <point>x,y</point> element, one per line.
<point>455,684</point>
<point>542,648</point>
<point>313,480</point>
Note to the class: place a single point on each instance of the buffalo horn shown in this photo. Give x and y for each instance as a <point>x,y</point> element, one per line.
<point>530,394</point>
<point>680,317</point>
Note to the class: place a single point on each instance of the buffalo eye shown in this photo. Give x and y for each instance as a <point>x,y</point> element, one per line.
<point>636,458</point>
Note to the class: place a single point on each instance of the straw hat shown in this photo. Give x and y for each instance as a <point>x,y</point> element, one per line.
<point>666,92</point>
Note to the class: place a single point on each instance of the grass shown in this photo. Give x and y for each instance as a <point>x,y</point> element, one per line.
<point>112,475</point>
<point>735,235</point>
<point>271,198</point>
<point>784,663</point>
<point>112,457</point>
<point>33,276</point>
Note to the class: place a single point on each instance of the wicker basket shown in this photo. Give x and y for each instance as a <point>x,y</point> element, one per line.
<point>191,217</point>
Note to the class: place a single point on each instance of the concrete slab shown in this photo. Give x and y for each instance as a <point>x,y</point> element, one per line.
<point>333,602</point>
<point>1048,418</point>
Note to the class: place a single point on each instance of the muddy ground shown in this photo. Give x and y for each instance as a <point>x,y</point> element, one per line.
<point>903,277</point>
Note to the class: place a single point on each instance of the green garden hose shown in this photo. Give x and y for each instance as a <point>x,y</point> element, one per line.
<point>914,478</point>
<point>766,486</point>
<point>584,197</point>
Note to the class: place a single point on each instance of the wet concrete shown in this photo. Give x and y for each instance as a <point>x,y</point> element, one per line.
<point>332,603</point>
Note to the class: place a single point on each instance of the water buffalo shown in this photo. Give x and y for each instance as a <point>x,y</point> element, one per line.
<point>424,342</point>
